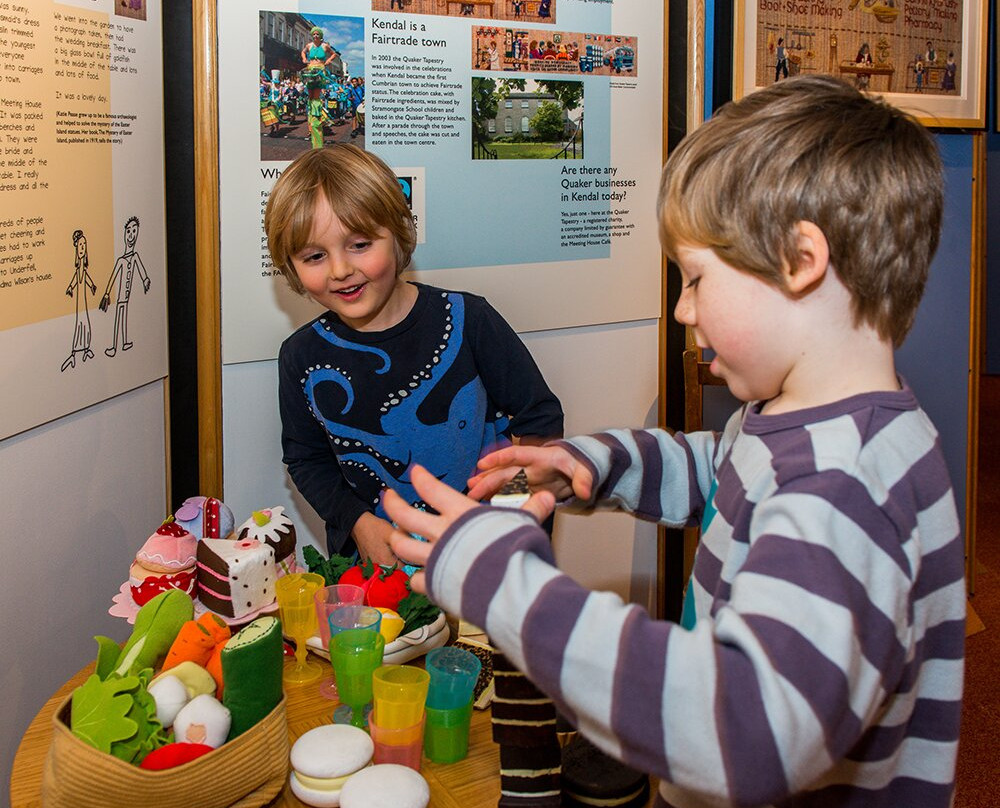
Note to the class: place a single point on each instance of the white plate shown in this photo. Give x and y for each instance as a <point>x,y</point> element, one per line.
<point>403,648</point>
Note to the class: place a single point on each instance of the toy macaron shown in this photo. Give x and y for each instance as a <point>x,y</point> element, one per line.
<point>386,785</point>
<point>324,758</point>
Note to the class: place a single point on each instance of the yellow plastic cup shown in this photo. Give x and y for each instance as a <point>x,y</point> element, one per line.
<point>399,693</point>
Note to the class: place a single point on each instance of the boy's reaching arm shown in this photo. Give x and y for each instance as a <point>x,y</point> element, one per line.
<point>650,473</point>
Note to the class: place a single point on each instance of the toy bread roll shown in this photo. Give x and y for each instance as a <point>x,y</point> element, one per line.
<point>251,670</point>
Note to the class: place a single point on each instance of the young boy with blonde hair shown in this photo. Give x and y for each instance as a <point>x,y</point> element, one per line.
<point>822,655</point>
<point>394,373</point>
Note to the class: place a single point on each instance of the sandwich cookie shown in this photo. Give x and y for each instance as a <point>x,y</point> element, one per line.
<point>324,758</point>
<point>591,778</point>
<point>386,785</point>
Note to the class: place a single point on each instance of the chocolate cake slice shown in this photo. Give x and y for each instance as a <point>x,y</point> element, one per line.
<point>235,577</point>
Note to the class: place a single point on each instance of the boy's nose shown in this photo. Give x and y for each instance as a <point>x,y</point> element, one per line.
<point>684,310</point>
<point>340,268</point>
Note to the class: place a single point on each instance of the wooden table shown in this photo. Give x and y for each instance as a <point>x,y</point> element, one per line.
<point>470,783</point>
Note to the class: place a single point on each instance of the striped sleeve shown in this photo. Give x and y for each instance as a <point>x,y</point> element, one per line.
<point>650,473</point>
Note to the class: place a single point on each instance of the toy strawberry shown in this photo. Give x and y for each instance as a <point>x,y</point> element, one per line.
<point>382,587</point>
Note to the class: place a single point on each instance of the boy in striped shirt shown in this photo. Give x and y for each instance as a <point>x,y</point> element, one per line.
<point>819,660</point>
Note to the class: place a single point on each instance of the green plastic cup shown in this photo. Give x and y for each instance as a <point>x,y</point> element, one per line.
<point>446,733</point>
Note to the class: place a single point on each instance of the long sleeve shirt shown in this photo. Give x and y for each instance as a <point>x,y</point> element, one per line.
<point>826,659</point>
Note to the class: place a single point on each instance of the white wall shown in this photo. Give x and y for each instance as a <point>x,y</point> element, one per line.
<point>82,494</point>
<point>604,375</point>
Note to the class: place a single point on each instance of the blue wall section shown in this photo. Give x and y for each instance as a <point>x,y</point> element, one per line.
<point>991,326</point>
<point>934,360</point>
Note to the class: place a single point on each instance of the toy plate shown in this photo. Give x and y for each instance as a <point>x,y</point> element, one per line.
<point>405,647</point>
<point>123,605</point>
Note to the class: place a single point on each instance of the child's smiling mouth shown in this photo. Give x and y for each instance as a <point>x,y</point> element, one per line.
<point>350,293</point>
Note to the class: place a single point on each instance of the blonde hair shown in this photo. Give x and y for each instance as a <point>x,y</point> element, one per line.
<point>813,148</point>
<point>361,189</point>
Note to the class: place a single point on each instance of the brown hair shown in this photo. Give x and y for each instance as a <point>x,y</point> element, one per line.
<point>813,148</point>
<point>362,190</point>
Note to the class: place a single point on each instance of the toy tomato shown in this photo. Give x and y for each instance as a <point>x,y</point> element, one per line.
<point>383,588</point>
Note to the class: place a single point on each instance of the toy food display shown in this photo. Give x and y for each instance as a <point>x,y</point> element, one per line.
<point>386,785</point>
<point>324,758</point>
<point>122,710</point>
<point>228,573</point>
<point>387,589</point>
<point>276,530</point>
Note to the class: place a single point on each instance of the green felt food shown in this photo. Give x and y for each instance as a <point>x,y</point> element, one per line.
<point>156,626</point>
<point>117,716</point>
<point>251,670</point>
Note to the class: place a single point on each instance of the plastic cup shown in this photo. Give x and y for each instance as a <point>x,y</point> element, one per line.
<point>329,598</point>
<point>446,733</point>
<point>402,745</point>
<point>356,654</point>
<point>295,593</point>
<point>345,618</point>
<point>325,601</point>
<point>453,674</point>
<point>400,692</point>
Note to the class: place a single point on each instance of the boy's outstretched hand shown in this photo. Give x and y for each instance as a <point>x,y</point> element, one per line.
<point>450,505</point>
<point>549,468</point>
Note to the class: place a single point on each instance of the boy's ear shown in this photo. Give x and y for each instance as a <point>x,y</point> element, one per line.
<point>812,258</point>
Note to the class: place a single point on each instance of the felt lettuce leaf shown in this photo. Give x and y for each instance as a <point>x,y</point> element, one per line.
<point>150,733</point>
<point>99,711</point>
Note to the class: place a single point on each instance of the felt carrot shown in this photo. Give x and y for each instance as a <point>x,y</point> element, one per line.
<point>196,640</point>
<point>214,667</point>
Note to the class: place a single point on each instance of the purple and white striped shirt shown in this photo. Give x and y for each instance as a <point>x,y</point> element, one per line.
<point>825,666</point>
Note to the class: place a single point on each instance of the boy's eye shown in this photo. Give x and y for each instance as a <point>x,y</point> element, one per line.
<point>361,245</point>
<point>691,284</point>
<point>311,257</point>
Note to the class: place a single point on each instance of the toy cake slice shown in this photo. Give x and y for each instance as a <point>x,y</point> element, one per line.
<point>514,493</point>
<point>273,527</point>
<point>237,577</point>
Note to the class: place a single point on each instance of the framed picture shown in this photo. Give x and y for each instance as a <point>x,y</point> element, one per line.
<point>925,56</point>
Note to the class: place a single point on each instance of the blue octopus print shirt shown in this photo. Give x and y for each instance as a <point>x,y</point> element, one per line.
<point>448,384</point>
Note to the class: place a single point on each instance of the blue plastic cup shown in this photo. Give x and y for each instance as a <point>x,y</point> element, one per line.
<point>453,673</point>
<point>446,733</point>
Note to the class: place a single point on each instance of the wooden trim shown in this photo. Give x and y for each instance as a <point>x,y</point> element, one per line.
<point>659,597</point>
<point>696,64</point>
<point>977,316</point>
<point>206,173</point>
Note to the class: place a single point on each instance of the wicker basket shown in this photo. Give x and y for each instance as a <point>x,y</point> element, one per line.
<point>248,771</point>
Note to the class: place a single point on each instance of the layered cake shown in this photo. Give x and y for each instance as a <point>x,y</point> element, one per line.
<point>272,527</point>
<point>165,561</point>
<point>235,577</point>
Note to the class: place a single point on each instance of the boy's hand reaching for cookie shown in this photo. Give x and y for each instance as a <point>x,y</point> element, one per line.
<point>450,505</point>
<point>548,468</point>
